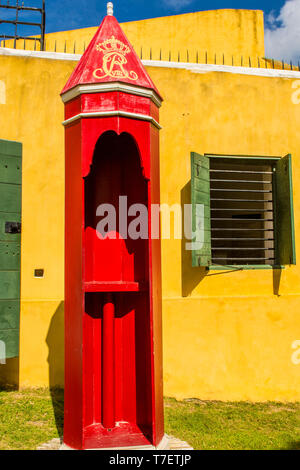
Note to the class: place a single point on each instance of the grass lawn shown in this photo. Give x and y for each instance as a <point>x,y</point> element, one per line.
<point>237,426</point>
<point>28,418</point>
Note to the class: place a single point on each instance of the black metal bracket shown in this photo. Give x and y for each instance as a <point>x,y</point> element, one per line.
<point>13,227</point>
<point>19,7</point>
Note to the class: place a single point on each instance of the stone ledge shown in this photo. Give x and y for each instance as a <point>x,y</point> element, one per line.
<point>172,443</point>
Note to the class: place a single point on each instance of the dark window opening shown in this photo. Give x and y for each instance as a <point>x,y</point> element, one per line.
<point>241,209</point>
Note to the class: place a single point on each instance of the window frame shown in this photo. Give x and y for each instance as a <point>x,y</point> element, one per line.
<point>239,267</point>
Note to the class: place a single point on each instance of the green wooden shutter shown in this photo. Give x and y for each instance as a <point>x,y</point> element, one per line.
<point>10,246</point>
<point>200,197</point>
<point>284,212</point>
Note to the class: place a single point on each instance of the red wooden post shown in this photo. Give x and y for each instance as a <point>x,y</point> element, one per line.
<point>109,363</point>
<point>113,338</point>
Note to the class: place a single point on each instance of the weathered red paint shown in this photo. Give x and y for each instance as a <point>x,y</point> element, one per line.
<point>91,60</point>
<point>108,365</point>
<point>113,343</point>
<point>111,101</point>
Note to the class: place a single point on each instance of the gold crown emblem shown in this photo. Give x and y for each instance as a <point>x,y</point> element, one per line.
<point>113,45</point>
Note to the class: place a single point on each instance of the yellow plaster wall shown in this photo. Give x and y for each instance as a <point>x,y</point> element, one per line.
<point>234,348</point>
<point>234,33</point>
<point>227,336</point>
<point>33,114</point>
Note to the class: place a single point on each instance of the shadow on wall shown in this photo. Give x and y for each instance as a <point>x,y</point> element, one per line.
<point>190,277</point>
<point>55,342</point>
<point>276,281</point>
<point>9,374</point>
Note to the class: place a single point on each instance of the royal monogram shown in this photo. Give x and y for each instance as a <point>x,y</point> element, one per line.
<point>114,60</point>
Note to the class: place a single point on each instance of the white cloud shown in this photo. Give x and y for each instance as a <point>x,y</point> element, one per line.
<point>177,4</point>
<point>282,34</point>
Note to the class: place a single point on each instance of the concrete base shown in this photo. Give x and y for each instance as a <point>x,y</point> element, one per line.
<point>164,445</point>
<point>167,443</point>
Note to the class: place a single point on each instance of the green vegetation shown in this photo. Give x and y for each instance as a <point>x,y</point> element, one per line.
<point>29,418</point>
<point>234,426</point>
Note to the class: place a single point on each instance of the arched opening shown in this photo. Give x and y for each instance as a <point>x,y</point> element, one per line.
<point>117,304</point>
<point>115,172</point>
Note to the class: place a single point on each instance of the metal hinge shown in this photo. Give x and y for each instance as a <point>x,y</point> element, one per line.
<point>12,227</point>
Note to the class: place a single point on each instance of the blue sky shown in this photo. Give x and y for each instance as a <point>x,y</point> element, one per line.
<point>282,16</point>
<point>81,13</point>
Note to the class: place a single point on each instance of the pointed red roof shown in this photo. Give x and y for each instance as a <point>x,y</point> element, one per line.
<point>110,58</point>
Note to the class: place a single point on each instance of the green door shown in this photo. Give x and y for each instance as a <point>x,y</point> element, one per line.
<point>10,247</point>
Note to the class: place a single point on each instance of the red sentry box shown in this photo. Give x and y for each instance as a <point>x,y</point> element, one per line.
<point>113,339</point>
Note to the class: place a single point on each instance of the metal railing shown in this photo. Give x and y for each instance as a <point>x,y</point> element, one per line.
<point>69,46</point>
<point>18,7</point>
